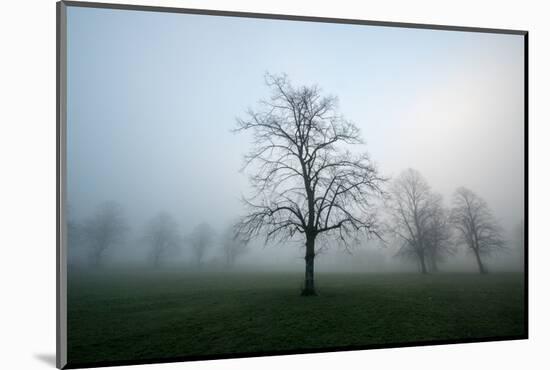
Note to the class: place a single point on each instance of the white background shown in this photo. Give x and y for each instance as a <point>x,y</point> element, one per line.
<point>27,183</point>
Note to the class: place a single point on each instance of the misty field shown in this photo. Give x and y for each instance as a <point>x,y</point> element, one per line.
<point>153,315</point>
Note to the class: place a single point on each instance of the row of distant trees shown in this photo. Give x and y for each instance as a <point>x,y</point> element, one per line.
<point>307,184</point>
<point>107,228</point>
<point>429,232</point>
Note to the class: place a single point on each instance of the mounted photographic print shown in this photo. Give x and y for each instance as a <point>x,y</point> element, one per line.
<point>237,184</point>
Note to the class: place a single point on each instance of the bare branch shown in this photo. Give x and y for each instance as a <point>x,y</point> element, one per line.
<point>304,180</point>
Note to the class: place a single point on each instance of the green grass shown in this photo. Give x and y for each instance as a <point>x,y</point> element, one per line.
<point>152,315</point>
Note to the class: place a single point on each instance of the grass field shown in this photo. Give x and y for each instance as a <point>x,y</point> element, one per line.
<point>152,315</point>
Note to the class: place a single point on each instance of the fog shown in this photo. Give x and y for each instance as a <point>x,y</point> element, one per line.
<point>153,99</point>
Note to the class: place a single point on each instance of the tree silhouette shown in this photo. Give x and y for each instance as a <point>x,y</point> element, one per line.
<point>305,183</point>
<point>477,228</point>
<point>438,237</point>
<point>104,230</point>
<point>233,246</point>
<point>200,239</point>
<point>163,237</point>
<point>419,220</point>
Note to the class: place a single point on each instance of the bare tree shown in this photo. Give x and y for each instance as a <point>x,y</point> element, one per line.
<point>163,237</point>
<point>438,236</point>
<point>104,230</point>
<point>477,228</point>
<point>304,182</point>
<point>418,220</point>
<point>233,246</point>
<point>200,240</point>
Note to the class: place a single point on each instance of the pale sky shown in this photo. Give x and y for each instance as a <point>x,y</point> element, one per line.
<point>152,98</point>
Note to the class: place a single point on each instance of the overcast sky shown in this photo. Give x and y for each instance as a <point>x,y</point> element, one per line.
<point>152,98</point>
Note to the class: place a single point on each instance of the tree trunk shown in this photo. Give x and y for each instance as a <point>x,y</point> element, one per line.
<point>423,264</point>
<point>482,269</point>
<point>309,286</point>
<point>433,262</point>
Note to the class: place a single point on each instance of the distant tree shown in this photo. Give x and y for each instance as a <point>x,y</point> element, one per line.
<point>477,228</point>
<point>304,181</point>
<point>163,237</point>
<point>418,220</point>
<point>438,236</point>
<point>233,246</point>
<point>200,240</point>
<point>104,230</point>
